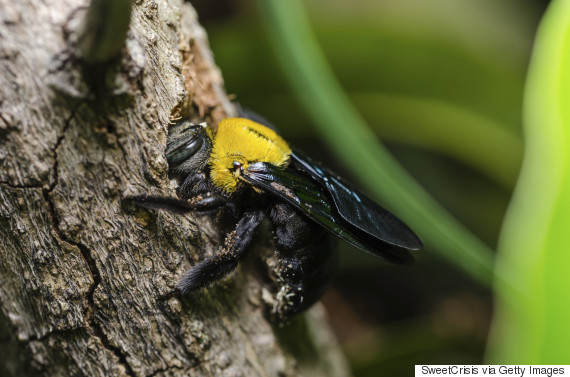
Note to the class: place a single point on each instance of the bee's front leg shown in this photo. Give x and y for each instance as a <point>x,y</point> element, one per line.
<point>199,203</point>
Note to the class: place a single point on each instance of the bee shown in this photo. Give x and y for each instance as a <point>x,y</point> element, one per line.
<point>250,173</point>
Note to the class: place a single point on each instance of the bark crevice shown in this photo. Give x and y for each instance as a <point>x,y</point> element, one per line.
<point>92,326</point>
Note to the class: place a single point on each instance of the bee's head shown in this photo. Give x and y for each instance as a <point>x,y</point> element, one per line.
<point>188,147</point>
<point>239,143</point>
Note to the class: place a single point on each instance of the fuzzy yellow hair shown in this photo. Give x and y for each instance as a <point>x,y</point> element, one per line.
<point>247,142</point>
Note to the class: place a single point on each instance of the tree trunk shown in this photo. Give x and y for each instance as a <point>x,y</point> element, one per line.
<point>85,283</point>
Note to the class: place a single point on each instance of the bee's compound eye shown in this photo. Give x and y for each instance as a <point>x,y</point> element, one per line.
<point>183,151</point>
<point>236,165</point>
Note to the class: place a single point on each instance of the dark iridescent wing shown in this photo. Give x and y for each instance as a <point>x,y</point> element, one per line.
<point>311,197</point>
<point>359,210</point>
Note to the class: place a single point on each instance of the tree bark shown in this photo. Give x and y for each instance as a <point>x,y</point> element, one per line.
<point>85,283</point>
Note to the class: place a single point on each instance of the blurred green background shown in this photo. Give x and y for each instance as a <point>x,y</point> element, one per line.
<point>441,84</point>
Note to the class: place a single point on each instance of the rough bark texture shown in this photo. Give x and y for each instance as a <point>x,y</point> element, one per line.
<point>85,282</point>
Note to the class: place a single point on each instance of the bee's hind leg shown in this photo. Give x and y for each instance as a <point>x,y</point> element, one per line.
<point>307,260</point>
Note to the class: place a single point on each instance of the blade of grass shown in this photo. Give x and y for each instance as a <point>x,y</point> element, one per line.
<point>535,240</point>
<point>443,127</point>
<point>344,130</point>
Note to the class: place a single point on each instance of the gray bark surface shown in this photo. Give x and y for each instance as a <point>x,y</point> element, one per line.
<point>85,282</point>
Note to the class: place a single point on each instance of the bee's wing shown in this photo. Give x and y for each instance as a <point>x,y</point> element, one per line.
<point>312,198</point>
<point>359,210</point>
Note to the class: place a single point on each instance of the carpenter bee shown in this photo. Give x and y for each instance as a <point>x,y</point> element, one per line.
<point>247,170</point>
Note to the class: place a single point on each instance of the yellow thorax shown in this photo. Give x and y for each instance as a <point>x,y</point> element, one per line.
<point>247,142</point>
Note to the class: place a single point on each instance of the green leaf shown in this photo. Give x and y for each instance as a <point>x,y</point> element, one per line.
<point>532,327</point>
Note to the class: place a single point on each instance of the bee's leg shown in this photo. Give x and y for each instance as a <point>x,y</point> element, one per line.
<point>234,249</point>
<point>307,260</point>
<point>305,276</point>
<point>194,184</point>
<point>201,204</point>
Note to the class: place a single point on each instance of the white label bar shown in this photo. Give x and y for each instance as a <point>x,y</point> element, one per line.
<point>492,370</point>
